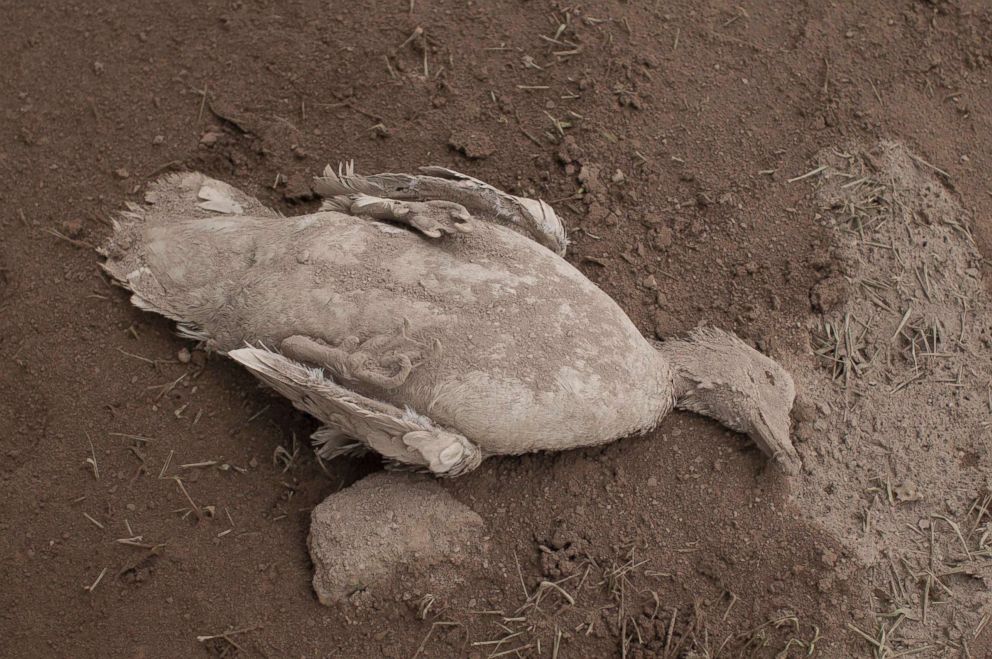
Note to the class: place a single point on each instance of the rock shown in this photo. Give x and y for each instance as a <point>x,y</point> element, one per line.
<point>663,238</point>
<point>388,530</point>
<point>569,150</point>
<point>184,355</point>
<point>380,131</point>
<point>474,145</point>
<point>589,178</point>
<point>210,138</point>
<point>907,491</point>
<point>122,173</point>
<point>803,410</point>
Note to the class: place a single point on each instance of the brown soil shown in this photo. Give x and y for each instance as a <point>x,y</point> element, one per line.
<point>665,135</point>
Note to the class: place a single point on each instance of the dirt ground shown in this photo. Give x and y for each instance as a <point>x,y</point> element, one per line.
<point>666,135</point>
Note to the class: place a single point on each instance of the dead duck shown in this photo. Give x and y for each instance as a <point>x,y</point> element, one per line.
<point>429,318</point>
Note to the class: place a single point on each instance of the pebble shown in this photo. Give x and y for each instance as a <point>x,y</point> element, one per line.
<point>474,145</point>
<point>184,355</point>
<point>209,138</point>
<point>663,238</point>
<point>73,227</point>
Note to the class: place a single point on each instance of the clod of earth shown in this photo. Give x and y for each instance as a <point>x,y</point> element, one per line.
<point>429,318</point>
<point>389,527</point>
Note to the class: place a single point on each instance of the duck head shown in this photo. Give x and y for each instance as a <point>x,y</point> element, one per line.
<point>717,375</point>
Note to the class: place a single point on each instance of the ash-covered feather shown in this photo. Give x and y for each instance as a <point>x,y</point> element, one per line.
<point>401,436</point>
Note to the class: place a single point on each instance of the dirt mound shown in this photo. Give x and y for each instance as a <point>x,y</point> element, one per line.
<point>895,437</point>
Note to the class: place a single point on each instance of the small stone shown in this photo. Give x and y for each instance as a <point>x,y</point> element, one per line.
<point>803,411</point>
<point>184,355</point>
<point>158,139</point>
<point>122,173</point>
<point>589,178</point>
<point>907,491</point>
<point>472,144</point>
<point>568,150</point>
<point>652,482</point>
<point>650,282</point>
<point>130,507</point>
<point>210,138</point>
<point>663,238</point>
<point>73,227</point>
<point>380,131</point>
<point>618,177</point>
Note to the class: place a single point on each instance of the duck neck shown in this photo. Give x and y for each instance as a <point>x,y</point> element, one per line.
<point>696,383</point>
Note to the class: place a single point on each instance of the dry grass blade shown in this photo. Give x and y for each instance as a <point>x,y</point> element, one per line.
<point>96,583</point>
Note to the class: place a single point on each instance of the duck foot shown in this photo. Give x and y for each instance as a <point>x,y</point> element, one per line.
<point>431,218</point>
<point>382,361</point>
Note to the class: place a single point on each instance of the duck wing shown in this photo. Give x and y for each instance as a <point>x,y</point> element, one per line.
<point>401,436</point>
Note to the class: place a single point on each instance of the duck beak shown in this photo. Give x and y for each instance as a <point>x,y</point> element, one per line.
<point>772,435</point>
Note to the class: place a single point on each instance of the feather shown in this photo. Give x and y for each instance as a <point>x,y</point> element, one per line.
<point>401,436</point>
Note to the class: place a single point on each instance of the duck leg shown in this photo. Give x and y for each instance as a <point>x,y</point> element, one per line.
<point>431,218</point>
<point>530,217</point>
<point>384,361</point>
<point>402,437</point>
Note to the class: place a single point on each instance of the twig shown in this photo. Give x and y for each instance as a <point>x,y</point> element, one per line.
<point>807,174</point>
